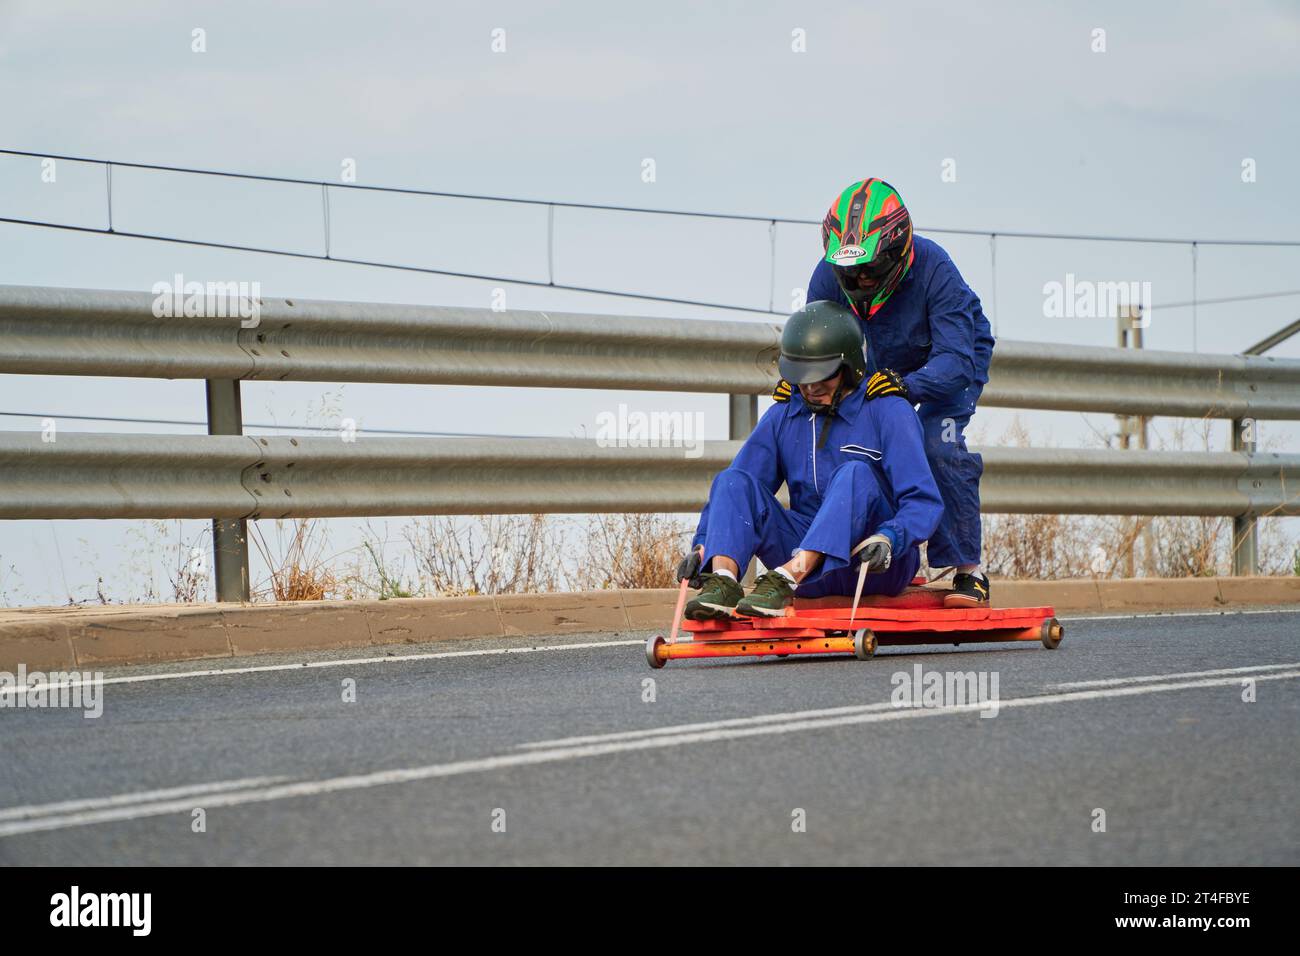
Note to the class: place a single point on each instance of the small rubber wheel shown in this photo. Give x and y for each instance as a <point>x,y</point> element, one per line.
<point>652,651</point>
<point>864,644</point>
<point>1052,632</point>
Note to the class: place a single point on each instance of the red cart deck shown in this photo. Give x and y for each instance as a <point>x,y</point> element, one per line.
<point>828,626</point>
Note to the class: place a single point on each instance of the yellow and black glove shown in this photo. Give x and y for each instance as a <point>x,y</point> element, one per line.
<point>782,392</point>
<point>886,382</point>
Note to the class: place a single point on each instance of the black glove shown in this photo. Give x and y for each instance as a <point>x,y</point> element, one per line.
<point>782,392</point>
<point>875,553</point>
<point>886,382</point>
<point>689,567</point>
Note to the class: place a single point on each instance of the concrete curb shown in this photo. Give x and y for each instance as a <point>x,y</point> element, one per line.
<point>87,637</point>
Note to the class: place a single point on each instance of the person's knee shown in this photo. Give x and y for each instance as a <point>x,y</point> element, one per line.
<point>734,480</point>
<point>741,493</point>
<point>859,473</point>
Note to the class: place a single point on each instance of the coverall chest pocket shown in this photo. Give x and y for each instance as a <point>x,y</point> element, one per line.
<point>862,451</point>
<point>916,351</point>
<point>900,348</point>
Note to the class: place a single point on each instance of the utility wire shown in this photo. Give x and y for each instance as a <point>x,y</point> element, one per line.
<point>634,209</point>
<point>551,205</point>
<point>450,273</point>
<point>1229,298</point>
<point>387,265</point>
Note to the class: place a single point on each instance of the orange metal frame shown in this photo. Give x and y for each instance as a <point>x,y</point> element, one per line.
<point>829,626</point>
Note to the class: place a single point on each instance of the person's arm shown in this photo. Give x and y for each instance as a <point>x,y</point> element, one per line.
<point>760,457</point>
<point>950,369</point>
<point>919,506</point>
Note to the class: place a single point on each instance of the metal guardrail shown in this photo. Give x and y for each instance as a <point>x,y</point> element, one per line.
<point>88,332</point>
<point>94,332</point>
<point>231,478</point>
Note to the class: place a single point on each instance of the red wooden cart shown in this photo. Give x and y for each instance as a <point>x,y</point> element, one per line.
<point>830,626</point>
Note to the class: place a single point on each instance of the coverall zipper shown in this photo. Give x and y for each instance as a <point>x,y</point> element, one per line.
<point>812,423</point>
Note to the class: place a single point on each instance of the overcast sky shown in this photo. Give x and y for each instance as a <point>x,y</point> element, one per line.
<point>1045,132</point>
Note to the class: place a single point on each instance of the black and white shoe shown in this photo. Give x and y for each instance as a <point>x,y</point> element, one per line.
<point>968,590</point>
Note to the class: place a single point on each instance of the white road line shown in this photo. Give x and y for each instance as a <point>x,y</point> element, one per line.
<point>1117,681</point>
<point>857,709</point>
<point>143,796</point>
<point>303,665</point>
<point>1159,614</point>
<point>708,725</point>
<point>557,754</point>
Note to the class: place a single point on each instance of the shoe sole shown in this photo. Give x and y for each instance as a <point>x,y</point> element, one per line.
<point>710,612</point>
<point>760,612</point>
<point>956,600</point>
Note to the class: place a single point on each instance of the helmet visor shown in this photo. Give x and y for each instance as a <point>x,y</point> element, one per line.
<point>866,279</point>
<point>803,370</point>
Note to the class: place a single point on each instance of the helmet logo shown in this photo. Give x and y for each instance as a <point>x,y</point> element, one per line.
<point>848,252</point>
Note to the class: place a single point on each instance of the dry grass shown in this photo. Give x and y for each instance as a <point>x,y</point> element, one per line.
<point>520,554</point>
<point>1277,555</point>
<point>190,579</point>
<point>11,591</point>
<point>488,554</point>
<point>298,567</point>
<point>370,573</point>
<point>186,563</point>
<point>297,564</point>
<point>1054,547</point>
<point>632,551</point>
<point>1034,546</point>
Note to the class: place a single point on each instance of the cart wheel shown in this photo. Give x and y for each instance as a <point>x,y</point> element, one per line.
<point>864,644</point>
<point>1052,632</point>
<point>652,651</point>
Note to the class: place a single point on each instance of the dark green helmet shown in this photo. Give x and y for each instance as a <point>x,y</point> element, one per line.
<point>817,340</point>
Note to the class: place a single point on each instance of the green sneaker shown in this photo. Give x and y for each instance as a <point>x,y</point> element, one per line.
<point>772,594</point>
<point>717,598</point>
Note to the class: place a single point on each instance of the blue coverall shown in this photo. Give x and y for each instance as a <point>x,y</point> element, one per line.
<point>933,332</point>
<point>870,476</point>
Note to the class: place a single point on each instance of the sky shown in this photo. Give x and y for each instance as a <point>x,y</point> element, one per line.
<point>1112,119</point>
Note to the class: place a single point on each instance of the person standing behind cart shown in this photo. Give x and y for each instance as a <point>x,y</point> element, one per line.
<point>929,342</point>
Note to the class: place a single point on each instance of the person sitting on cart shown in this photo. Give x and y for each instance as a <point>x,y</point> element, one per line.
<point>860,487</point>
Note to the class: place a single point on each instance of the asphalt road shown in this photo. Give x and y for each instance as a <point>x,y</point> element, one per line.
<point>559,749</point>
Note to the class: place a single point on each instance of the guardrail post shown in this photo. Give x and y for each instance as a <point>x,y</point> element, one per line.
<point>1129,329</point>
<point>742,416</point>
<point>229,535</point>
<point>1245,528</point>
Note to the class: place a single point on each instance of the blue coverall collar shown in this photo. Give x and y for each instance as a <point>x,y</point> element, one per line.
<point>847,410</point>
